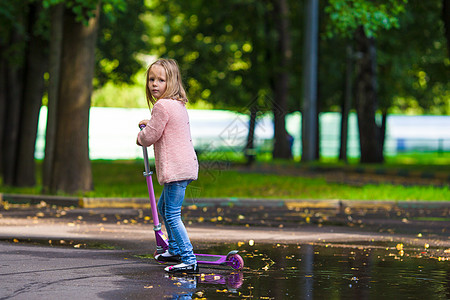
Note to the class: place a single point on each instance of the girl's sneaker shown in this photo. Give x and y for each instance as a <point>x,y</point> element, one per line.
<point>167,257</point>
<point>183,268</point>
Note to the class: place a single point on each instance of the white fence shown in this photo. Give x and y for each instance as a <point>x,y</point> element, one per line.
<point>113,131</point>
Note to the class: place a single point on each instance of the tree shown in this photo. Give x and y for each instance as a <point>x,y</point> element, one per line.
<point>36,62</point>
<point>71,169</point>
<point>122,36</point>
<point>230,62</point>
<point>412,62</point>
<point>55,49</point>
<point>446,19</point>
<point>366,97</point>
<point>363,19</point>
<point>23,61</point>
<point>76,50</point>
<point>24,51</point>
<point>281,75</point>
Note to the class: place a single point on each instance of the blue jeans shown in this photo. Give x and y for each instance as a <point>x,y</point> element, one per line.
<point>169,207</point>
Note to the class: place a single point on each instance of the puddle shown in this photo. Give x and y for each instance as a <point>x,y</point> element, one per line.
<point>306,271</point>
<point>324,272</point>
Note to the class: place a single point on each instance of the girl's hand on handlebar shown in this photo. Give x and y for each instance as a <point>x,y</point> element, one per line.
<point>143,123</point>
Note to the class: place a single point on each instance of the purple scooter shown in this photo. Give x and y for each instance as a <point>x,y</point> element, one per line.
<point>232,259</point>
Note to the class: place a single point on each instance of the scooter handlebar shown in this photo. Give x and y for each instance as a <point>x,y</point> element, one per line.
<point>144,152</point>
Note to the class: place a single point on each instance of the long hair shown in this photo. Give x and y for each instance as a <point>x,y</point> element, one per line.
<point>174,89</point>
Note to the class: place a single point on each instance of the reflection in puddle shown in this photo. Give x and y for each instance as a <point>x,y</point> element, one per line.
<point>188,283</point>
<point>326,272</point>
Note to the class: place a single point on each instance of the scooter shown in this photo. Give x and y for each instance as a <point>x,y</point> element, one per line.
<point>232,259</point>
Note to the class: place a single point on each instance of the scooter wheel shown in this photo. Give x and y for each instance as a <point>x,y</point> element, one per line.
<point>154,257</point>
<point>235,261</point>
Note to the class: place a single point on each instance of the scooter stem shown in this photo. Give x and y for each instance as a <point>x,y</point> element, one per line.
<point>151,192</point>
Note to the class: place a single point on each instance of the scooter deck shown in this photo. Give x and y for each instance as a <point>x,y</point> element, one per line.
<point>210,259</point>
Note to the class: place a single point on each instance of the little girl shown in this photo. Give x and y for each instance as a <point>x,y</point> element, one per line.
<point>176,162</point>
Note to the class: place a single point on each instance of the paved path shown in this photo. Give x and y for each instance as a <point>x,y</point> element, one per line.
<point>33,266</point>
<point>132,228</point>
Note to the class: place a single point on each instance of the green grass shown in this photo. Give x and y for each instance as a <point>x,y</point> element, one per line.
<point>125,179</point>
<point>236,184</point>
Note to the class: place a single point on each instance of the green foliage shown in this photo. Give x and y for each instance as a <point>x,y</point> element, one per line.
<point>223,55</point>
<point>122,95</point>
<point>121,39</point>
<point>347,15</point>
<point>413,64</point>
<point>413,68</point>
<point>85,9</point>
<point>12,30</point>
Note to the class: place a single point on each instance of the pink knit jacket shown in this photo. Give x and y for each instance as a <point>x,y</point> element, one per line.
<point>169,131</point>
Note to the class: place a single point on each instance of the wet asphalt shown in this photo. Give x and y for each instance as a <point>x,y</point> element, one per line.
<point>105,253</point>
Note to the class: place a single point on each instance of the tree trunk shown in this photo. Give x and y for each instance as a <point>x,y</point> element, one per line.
<point>346,104</point>
<point>56,34</point>
<point>446,19</point>
<point>35,66</point>
<point>366,99</point>
<point>71,167</point>
<point>317,133</point>
<point>383,129</point>
<point>281,147</point>
<point>3,100</point>
<point>250,152</point>
<point>11,122</point>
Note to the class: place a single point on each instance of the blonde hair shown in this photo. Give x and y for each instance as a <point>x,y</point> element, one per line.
<point>174,89</point>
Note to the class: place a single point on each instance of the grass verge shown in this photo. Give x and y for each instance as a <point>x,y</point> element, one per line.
<point>125,179</point>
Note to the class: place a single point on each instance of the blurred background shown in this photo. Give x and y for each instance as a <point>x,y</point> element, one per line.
<point>342,82</point>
